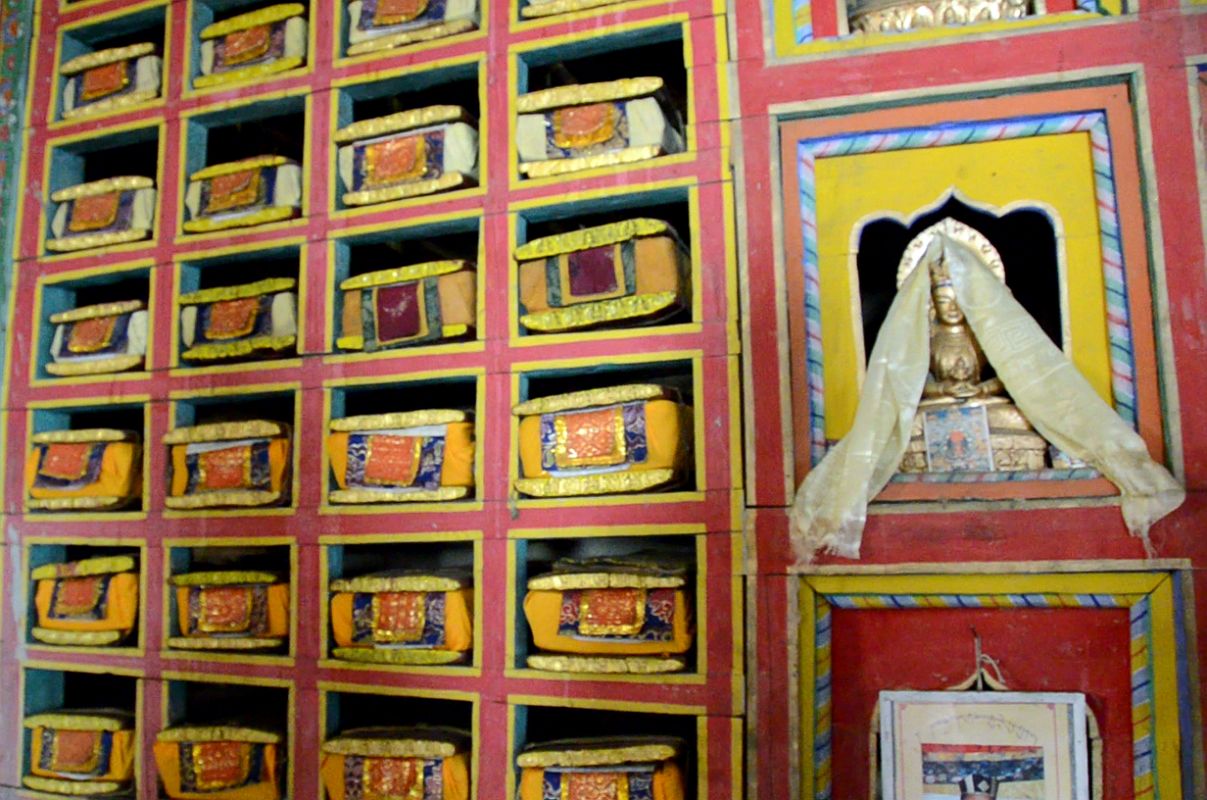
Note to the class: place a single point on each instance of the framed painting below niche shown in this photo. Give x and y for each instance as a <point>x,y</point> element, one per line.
<point>983,746</point>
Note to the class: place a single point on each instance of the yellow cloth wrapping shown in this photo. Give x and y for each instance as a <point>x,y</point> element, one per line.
<point>121,605</point>
<point>668,782</point>
<point>458,620</point>
<point>121,759</point>
<point>543,609</point>
<point>656,257</point>
<point>119,475</point>
<point>278,465</point>
<point>167,759</point>
<point>278,612</point>
<point>830,508</point>
<point>457,469</point>
<point>664,430</point>
<point>458,293</point>
<point>455,769</point>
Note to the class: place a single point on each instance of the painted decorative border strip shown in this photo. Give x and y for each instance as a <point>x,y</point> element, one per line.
<point>822,743</point>
<point>802,21</point>
<point>1094,123</point>
<point>1142,701</point>
<point>1141,664</point>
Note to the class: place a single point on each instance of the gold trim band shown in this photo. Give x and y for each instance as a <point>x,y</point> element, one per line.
<point>587,238</point>
<point>70,244</point>
<point>603,580</point>
<point>584,753</point>
<point>561,166</point>
<point>67,720</point>
<point>224,431</point>
<point>102,565</point>
<point>123,183</point>
<point>606,483</point>
<point>72,788</point>
<point>223,643</point>
<point>261,16</point>
<point>399,419</point>
<point>84,435</point>
<point>262,217</point>
<point>605,665</point>
<point>213,351</point>
<point>230,167</point>
<point>404,38</point>
<point>589,398</point>
<point>583,315</point>
<point>397,583</point>
<point>585,93</point>
<point>348,745</point>
<point>411,656</point>
<point>99,310</point>
<point>77,638</point>
<point>396,123</point>
<point>364,496</point>
<point>413,272</point>
<point>67,369</point>
<point>237,498</point>
<point>232,577</point>
<point>102,57</point>
<point>248,73</point>
<point>266,286</point>
<point>449,180</point>
<point>217,733</point>
<point>111,103</point>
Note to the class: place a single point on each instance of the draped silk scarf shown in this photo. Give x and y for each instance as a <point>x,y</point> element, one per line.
<point>830,508</point>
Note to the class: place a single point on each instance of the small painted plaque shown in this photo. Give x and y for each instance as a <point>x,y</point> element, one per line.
<point>957,439</point>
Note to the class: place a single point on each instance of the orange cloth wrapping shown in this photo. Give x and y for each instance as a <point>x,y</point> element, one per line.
<point>77,752</point>
<point>278,465</point>
<point>278,610</point>
<point>222,770</point>
<point>668,784</point>
<point>457,468</point>
<point>458,293</point>
<point>455,773</point>
<point>119,472</point>
<point>120,599</point>
<point>458,620</point>
<point>666,423</point>
<point>656,257</point>
<point>543,609</point>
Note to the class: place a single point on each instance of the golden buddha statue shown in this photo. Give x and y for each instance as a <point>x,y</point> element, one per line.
<point>964,422</point>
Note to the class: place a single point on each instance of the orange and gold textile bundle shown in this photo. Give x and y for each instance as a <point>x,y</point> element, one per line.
<point>86,469</point>
<point>421,763</point>
<point>80,753</point>
<point>630,438</point>
<point>412,305</point>
<point>218,762</point>
<point>402,618</point>
<point>87,603</point>
<point>411,456</point>
<point>230,610</point>
<point>229,464</point>
<point>636,768</point>
<point>628,272</point>
<point>620,621</point>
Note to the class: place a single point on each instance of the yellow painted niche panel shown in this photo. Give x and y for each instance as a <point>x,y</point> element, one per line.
<point>1052,173</point>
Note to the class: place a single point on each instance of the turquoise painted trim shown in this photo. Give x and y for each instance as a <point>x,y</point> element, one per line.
<point>16,25</point>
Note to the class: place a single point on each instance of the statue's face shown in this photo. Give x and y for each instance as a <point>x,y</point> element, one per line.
<point>947,310</point>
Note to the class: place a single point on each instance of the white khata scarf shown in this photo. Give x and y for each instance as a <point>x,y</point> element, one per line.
<point>830,509</point>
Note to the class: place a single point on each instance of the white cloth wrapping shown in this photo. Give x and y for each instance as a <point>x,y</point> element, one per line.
<point>831,505</point>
